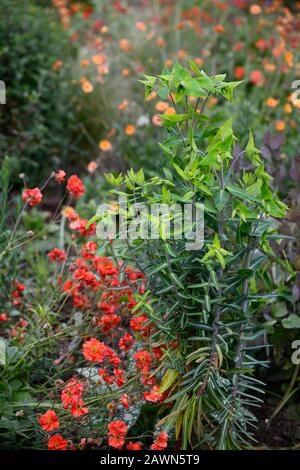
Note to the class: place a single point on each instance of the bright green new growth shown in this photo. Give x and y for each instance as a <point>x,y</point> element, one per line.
<point>204,303</point>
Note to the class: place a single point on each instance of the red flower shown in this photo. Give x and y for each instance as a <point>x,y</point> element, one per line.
<point>154,395</point>
<point>134,446</point>
<point>75,187</point>
<point>138,323</point>
<point>257,78</point>
<point>143,360</point>
<point>32,197</point>
<point>239,72</point>
<point>109,322</point>
<point>57,442</point>
<point>3,316</point>
<point>119,374</point>
<point>89,250</point>
<point>126,342</point>
<point>49,421</point>
<point>72,393</point>
<point>160,442</point>
<point>117,431</point>
<point>124,401</point>
<point>60,176</point>
<point>78,409</point>
<point>94,350</point>
<point>57,255</point>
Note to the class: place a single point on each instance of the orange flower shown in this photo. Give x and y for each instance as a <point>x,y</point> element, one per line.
<point>57,65</point>
<point>161,106</point>
<point>105,145</point>
<point>92,167</point>
<point>170,110</point>
<point>198,61</point>
<point>257,78</point>
<point>269,67</point>
<point>160,42</point>
<point>288,108</point>
<point>123,105</point>
<point>99,59</point>
<point>130,129</point>
<point>255,9</point>
<point>103,69</point>
<point>289,58</point>
<point>84,63</point>
<point>125,72</point>
<point>87,87</point>
<point>151,96</point>
<point>219,28</point>
<point>156,120</point>
<point>125,45</point>
<point>168,62</point>
<point>272,103</point>
<point>140,26</point>
<point>181,54</point>
<point>280,125</point>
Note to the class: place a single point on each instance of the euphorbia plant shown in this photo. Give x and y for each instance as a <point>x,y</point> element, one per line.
<point>203,302</point>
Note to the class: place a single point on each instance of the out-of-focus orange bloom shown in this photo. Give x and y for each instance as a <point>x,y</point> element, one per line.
<point>140,26</point>
<point>180,25</point>
<point>125,72</point>
<point>160,42</point>
<point>280,125</point>
<point>87,87</point>
<point>156,120</point>
<point>84,63</point>
<point>219,28</point>
<point>277,52</point>
<point>161,106</point>
<point>130,129</point>
<point>261,44</point>
<point>198,61</point>
<point>238,46</point>
<point>104,30</point>
<point>181,54</point>
<point>289,58</point>
<point>212,101</point>
<point>170,110</point>
<point>272,102</point>
<point>239,72</point>
<point>150,35</point>
<point>105,145</point>
<point>288,108</point>
<point>206,52</point>
<point>255,9</point>
<point>269,67</point>
<point>103,69</point>
<point>168,62</point>
<point>99,59</point>
<point>125,45</point>
<point>112,132</point>
<point>92,167</point>
<point>57,64</point>
<point>123,105</point>
<point>151,96</point>
<point>257,78</point>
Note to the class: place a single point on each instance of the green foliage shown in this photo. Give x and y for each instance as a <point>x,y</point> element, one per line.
<point>38,121</point>
<point>203,303</point>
